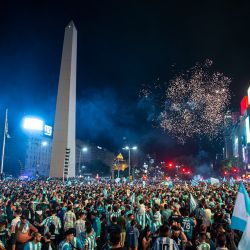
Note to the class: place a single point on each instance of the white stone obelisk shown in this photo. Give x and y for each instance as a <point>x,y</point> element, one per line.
<point>63,149</point>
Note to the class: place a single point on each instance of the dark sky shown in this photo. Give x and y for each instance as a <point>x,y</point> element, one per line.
<point>121,45</point>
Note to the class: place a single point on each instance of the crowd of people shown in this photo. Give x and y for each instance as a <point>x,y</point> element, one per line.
<point>51,214</point>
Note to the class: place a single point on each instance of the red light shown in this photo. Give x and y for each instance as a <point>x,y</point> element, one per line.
<point>183,170</point>
<point>225,172</point>
<point>244,104</point>
<point>234,170</point>
<point>188,172</point>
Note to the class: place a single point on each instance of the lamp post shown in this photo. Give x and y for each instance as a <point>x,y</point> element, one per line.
<point>84,149</point>
<point>129,156</point>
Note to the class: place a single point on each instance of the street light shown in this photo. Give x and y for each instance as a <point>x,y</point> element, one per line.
<point>84,149</point>
<point>129,160</point>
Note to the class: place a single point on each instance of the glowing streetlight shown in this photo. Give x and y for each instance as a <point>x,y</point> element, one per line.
<point>129,160</point>
<point>84,150</point>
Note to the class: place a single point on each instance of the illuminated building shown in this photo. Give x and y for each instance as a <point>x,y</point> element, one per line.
<point>38,148</point>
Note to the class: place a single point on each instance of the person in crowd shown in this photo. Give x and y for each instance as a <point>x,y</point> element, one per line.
<point>163,241</point>
<point>202,243</point>
<point>221,242</point>
<point>23,233</point>
<point>80,223</point>
<point>145,239</point>
<point>122,223</point>
<point>35,244</point>
<point>90,238</point>
<point>66,243</point>
<point>115,241</point>
<point>132,236</point>
<point>69,218</point>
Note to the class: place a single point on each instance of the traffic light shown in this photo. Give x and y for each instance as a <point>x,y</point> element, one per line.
<point>66,161</point>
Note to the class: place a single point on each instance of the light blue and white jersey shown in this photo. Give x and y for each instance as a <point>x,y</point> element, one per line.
<point>164,243</point>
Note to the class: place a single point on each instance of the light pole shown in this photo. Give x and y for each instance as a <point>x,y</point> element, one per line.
<point>129,157</point>
<point>84,149</point>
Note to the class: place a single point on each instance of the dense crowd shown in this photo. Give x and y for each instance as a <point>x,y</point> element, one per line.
<point>52,215</point>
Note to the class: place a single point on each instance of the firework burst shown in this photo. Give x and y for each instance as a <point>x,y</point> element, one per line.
<point>195,103</point>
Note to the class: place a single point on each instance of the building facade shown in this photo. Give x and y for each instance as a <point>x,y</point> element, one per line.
<point>38,155</point>
<point>237,134</point>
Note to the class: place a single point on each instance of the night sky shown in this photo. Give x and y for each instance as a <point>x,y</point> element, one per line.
<point>121,45</point>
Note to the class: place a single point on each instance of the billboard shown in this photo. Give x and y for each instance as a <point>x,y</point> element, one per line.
<point>33,124</point>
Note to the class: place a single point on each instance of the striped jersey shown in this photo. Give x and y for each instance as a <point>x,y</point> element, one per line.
<point>90,241</point>
<point>79,226</point>
<point>33,246</point>
<point>69,219</point>
<point>164,243</point>
<point>52,220</point>
<point>141,219</point>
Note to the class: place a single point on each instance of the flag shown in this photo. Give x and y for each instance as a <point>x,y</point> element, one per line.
<point>6,132</point>
<point>170,185</point>
<point>231,182</point>
<point>214,181</point>
<point>193,203</point>
<point>194,183</point>
<point>245,238</point>
<point>241,209</point>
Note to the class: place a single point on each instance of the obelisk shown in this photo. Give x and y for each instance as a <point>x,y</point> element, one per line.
<point>63,149</point>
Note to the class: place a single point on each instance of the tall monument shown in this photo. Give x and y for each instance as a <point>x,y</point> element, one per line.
<point>63,148</point>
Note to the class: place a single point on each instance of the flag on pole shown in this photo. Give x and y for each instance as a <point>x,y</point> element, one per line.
<point>193,203</point>
<point>241,209</point>
<point>6,126</point>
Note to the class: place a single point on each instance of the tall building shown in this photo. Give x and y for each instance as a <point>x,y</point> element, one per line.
<point>63,149</point>
<point>38,155</point>
<point>38,145</point>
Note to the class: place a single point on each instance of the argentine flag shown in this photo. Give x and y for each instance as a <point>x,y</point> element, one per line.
<point>241,209</point>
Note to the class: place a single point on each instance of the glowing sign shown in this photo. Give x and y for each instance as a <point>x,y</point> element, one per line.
<point>247,129</point>
<point>47,130</point>
<point>33,124</point>
<point>244,104</point>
